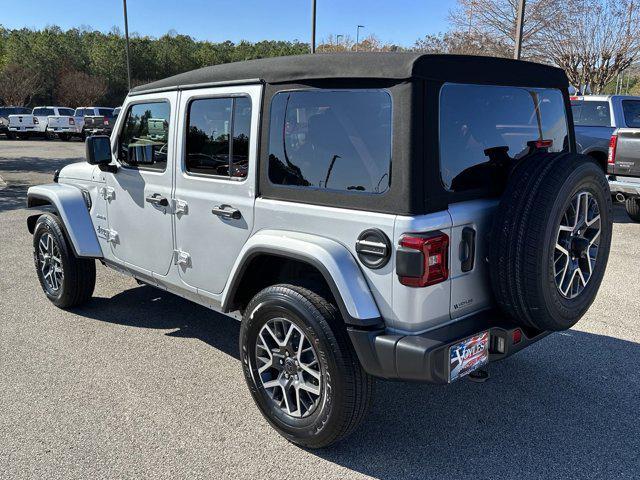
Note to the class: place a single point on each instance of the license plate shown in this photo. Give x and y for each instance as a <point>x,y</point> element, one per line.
<point>468,355</point>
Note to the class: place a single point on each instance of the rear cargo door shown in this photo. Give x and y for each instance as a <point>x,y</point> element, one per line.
<point>483,131</point>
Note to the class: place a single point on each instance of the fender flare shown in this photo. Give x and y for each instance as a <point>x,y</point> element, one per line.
<point>69,204</point>
<point>333,261</point>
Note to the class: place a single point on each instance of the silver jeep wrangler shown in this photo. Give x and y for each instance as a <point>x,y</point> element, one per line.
<point>399,216</point>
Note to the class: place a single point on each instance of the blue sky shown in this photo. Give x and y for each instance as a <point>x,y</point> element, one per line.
<point>399,21</point>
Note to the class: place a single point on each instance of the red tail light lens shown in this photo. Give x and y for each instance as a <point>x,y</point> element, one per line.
<point>423,259</point>
<point>71,121</point>
<point>35,121</point>
<point>613,144</point>
<point>105,121</point>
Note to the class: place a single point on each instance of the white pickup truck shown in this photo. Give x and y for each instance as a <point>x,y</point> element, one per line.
<point>84,121</point>
<point>25,126</point>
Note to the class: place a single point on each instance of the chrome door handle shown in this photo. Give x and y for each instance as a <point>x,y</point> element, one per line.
<point>226,211</point>
<point>157,200</point>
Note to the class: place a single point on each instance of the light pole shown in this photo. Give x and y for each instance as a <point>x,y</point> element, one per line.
<point>358,35</point>
<point>126,36</point>
<point>338,41</point>
<point>313,26</point>
<point>519,25</point>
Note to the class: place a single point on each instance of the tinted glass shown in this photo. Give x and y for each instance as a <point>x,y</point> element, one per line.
<point>144,136</point>
<point>43,112</point>
<point>105,112</point>
<point>476,118</point>
<point>66,111</point>
<point>331,139</point>
<point>631,110</point>
<point>591,114</point>
<point>212,122</point>
<point>79,112</point>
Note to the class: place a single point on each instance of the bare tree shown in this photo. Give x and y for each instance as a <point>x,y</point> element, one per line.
<point>592,40</point>
<point>18,85</point>
<point>496,19</point>
<point>74,88</point>
<point>595,41</point>
<point>463,43</point>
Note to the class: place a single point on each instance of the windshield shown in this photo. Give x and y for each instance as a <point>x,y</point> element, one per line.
<point>483,129</point>
<point>631,110</point>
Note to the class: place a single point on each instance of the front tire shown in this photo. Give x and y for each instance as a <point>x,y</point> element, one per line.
<point>632,206</point>
<point>301,368</point>
<point>66,280</point>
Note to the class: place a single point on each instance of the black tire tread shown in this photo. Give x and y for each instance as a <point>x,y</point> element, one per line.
<point>632,206</point>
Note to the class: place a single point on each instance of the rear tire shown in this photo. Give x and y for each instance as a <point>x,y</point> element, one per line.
<point>64,137</point>
<point>335,398</point>
<point>632,206</point>
<point>11,136</point>
<point>546,264</point>
<point>66,280</point>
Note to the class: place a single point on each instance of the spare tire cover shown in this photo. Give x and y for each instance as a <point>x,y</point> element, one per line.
<point>550,240</point>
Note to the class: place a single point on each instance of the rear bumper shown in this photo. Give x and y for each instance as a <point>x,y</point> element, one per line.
<point>425,357</point>
<point>64,130</point>
<point>625,187</point>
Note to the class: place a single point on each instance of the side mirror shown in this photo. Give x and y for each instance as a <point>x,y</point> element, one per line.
<point>98,150</point>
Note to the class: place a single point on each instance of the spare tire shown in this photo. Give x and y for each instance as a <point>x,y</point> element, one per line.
<point>550,240</point>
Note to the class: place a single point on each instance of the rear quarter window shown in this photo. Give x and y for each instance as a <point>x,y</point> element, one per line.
<point>591,113</point>
<point>338,140</point>
<point>631,111</point>
<point>485,128</point>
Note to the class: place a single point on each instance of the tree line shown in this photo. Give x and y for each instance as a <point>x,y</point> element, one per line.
<point>594,41</point>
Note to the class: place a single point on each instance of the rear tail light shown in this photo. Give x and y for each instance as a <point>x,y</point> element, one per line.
<point>35,121</point>
<point>105,121</point>
<point>72,121</point>
<point>613,144</point>
<point>517,336</point>
<point>422,259</point>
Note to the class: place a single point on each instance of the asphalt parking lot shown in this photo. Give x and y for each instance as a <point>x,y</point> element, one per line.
<point>142,384</point>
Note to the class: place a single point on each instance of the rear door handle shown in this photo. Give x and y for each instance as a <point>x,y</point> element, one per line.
<point>226,211</point>
<point>157,200</point>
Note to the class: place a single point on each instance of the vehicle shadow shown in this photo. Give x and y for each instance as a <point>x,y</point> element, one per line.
<point>35,164</point>
<point>566,407</point>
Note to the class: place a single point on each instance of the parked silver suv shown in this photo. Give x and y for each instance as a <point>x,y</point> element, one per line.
<point>372,215</point>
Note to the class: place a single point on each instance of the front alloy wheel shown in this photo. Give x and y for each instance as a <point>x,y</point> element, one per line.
<point>50,263</point>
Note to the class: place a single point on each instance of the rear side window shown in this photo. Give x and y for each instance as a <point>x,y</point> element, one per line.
<point>631,111</point>
<point>143,141</point>
<point>218,136</point>
<point>591,114</point>
<point>79,112</point>
<point>331,139</point>
<point>43,112</point>
<point>485,128</point>
<point>105,112</point>
<point>66,112</point>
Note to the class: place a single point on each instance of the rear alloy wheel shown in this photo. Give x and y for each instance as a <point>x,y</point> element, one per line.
<point>301,368</point>
<point>576,250</point>
<point>288,367</point>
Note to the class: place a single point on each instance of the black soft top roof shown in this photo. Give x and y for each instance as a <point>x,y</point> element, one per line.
<point>393,66</point>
